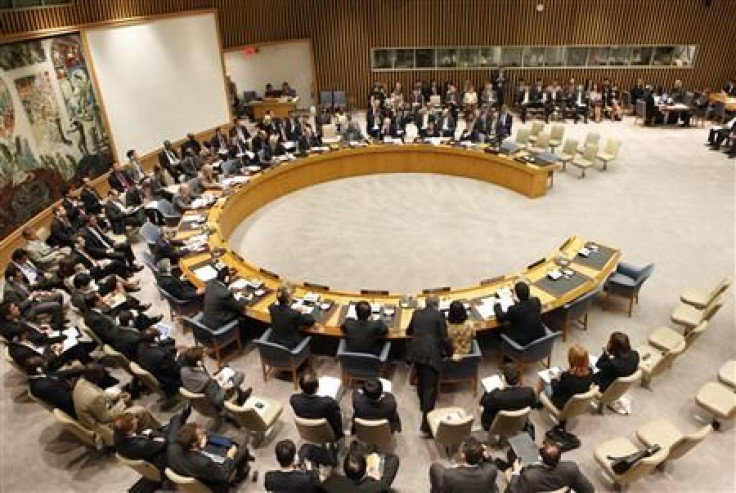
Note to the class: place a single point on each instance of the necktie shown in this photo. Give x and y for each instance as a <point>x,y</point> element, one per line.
<point>100,237</point>
<point>172,158</point>
<point>123,180</point>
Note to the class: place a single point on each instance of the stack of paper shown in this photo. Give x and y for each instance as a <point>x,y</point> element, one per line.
<point>235,180</point>
<point>492,383</point>
<point>205,273</point>
<point>311,297</point>
<point>329,387</point>
<point>225,375</point>
<point>485,307</point>
<point>386,384</point>
<point>549,374</point>
<point>238,284</point>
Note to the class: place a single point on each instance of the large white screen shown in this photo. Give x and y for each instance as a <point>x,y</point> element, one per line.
<point>159,80</point>
<point>289,61</point>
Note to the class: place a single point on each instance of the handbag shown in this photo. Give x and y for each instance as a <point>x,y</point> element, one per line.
<point>622,464</point>
<point>563,438</point>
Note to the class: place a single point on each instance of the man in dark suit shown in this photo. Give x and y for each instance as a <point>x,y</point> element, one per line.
<point>101,246</point>
<point>504,121</point>
<point>120,215</point>
<point>291,478</point>
<point>121,339</point>
<point>30,301</point>
<point>472,474</point>
<point>119,179</point>
<point>191,143</point>
<point>510,397</point>
<point>180,289</point>
<point>220,304</point>
<point>309,405</point>
<point>90,198</point>
<point>550,475</point>
<point>371,402</point>
<point>169,160</point>
<point>429,344</point>
<point>186,456</point>
<point>62,232</point>
<point>358,479</point>
<point>524,317</point>
<point>159,358</point>
<point>53,388</point>
<point>523,99</point>
<point>285,321</point>
<point>364,335</point>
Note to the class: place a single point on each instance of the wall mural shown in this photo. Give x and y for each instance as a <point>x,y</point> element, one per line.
<point>51,130</point>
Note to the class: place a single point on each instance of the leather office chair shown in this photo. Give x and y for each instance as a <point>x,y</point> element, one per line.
<point>653,361</point>
<point>215,339</point>
<point>663,433</point>
<point>277,357</point>
<point>609,152</point>
<point>150,233</point>
<point>727,374</point>
<point>316,431</point>
<point>360,366</point>
<point>689,317</point>
<point>84,434</point>
<point>185,483</point>
<point>626,282</point>
<point>168,212</point>
<point>339,100</point>
<point>616,390</point>
<point>700,298</point>
<point>621,447</point>
<point>534,352</point>
<point>373,432</point>
<point>556,135</point>
<point>450,426</point>
<point>142,467</point>
<point>719,401</point>
<point>535,131</point>
<point>586,160</point>
<point>569,150</point>
<point>508,423</point>
<point>463,370</point>
<point>578,404</point>
<point>541,144</point>
<point>574,311</point>
<point>257,420</point>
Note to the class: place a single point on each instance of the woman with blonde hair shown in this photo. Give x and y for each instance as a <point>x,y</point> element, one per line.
<point>577,379</point>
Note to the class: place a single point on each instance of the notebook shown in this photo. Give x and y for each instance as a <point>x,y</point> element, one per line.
<point>492,383</point>
<point>329,387</point>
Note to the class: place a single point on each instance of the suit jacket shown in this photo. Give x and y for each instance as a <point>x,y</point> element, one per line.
<point>504,123</point>
<point>610,368</point>
<point>466,479</point>
<point>62,233</point>
<point>199,381</point>
<point>183,290</point>
<point>93,410</point>
<point>315,407</point>
<point>567,386</point>
<point>286,322</point>
<point>181,203</point>
<point>383,408</point>
<point>18,293</point>
<point>341,484</point>
<point>91,200</point>
<point>120,181</point>
<point>525,320</point>
<point>364,336</point>
<point>160,360</point>
<point>150,447</point>
<point>163,158</point>
<point>508,399</point>
<point>220,305</point>
<point>294,481</point>
<point>96,242</point>
<point>195,464</point>
<point>42,254</point>
<point>54,390</point>
<point>430,341</point>
<point>119,338</point>
<point>538,477</point>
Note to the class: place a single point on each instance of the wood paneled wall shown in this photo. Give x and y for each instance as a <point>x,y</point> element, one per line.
<point>343,31</point>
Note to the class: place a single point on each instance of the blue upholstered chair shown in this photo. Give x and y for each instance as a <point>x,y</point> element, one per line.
<point>166,209</point>
<point>360,366</point>
<point>576,311</point>
<point>180,308</point>
<point>627,281</point>
<point>150,233</point>
<point>534,352</point>
<point>277,357</point>
<point>325,99</point>
<point>215,339</point>
<point>339,100</point>
<point>150,262</point>
<point>465,369</point>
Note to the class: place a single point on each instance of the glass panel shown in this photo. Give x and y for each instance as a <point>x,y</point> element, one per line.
<point>404,58</point>
<point>619,55</point>
<point>597,56</point>
<point>22,4</point>
<point>6,4</point>
<point>577,56</point>
<point>534,57</point>
<point>447,57</point>
<point>663,55</point>
<point>554,56</point>
<point>468,58</point>
<point>684,56</point>
<point>489,57</point>
<point>511,56</point>
<point>382,59</point>
<point>641,55</point>
<point>424,58</point>
<point>56,2</point>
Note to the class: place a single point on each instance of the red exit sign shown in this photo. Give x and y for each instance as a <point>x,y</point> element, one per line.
<point>250,51</point>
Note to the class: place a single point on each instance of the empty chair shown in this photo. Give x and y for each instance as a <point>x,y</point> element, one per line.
<point>185,483</point>
<point>609,152</point>
<point>592,139</point>
<point>621,447</point>
<point>373,432</point>
<point>541,144</point>
<point>464,369</point>
<point>217,338</point>
<point>727,373</point>
<point>626,282</point>
<point>277,357</point>
<point>142,467</point>
<point>316,431</point>
<point>258,415</point>
<point>653,361</point>
<point>519,143</point>
<point>168,212</point>
<point>450,426</point>
<point>577,405</point>
<point>536,131</point>
<point>585,160</point>
<point>508,423</point>
<point>666,338</point>
<point>700,298</point>
<point>535,351</point>
<point>616,390</point>
<point>360,366</point>
<point>150,233</point>
<point>556,135</point>
<point>325,99</point>
<point>575,311</point>
<point>569,150</point>
<point>688,316</point>
<point>339,99</point>
<point>663,433</point>
<point>85,435</point>
<point>718,400</point>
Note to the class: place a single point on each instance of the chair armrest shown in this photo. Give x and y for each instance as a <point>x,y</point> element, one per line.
<point>628,270</point>
<point>514,345</point>
<point>224,329</point>
<point>383,356</point>
<point>265,337</point>
<point>342,348</point>
<point>302,345</point>
<point>474,350</point>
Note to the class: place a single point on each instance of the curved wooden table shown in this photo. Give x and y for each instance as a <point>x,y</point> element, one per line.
<point>230,210</point>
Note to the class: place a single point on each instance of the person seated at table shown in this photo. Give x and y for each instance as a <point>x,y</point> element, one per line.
<point>489,96</point>
<point>309,405</point>
<point>374,118</point>
<point>220,305</point>
<point>718,134</point>
<point>208,178</point>
<point>159,181</point>
<point>287,322</point>
<point>189,165</point>
<point>274,148</point>
<point>121,338</point>
<point>617,360</point>
<point>352,132</point>
<point>473,473</point>
<point>577,379</point>
<point>308,140</point>
<point>460,330</point>
<point>195,378</point>
<point>387,130</point>
<point>372,403</point>
<point>596,101</point>
<point>179,288</point>
<point>189,455</point>
<point>183,198</point>
<point>270,92</point>
<point>452,99</point>
<point>524,316</point>
<point>363,335</point>
<point>287,91</point>
<point>34,277</point>
<point>120,215</point>
<point>446,123</point>
<point>359,478</point>
<point>468,134</point>
<point>291,477</point>
<point>551,475</point>
<point>32,302</point>
<point>397,95</point>
<point>503,124</point>
<point>511,396</point>
<point>483,125</point>
<point>653,114</point>
<point>98,268</point>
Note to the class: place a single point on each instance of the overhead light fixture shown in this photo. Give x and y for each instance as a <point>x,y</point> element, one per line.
<point>540,7</point>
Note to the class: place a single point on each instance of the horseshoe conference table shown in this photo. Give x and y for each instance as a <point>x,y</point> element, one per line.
<point>569,271</point>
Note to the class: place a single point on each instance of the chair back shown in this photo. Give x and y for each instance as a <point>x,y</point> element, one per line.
<point>697,331</point>
<point>454,432</point>
<point>272,354</point>
<point>580,306</point>
<point>612,147</point>
<point>507,423</point>
<point>149,232</point>
<point>590,153</point>
<point>150,261</point>
<point>358,365</point>
<point>85,435</point>
<point>537,128</point>
<point>142,467</point>
<point>190,485</point>
<point>146,377</point>
<point>667,359</point>
<point>714,306</point>
<point>373,431</point>
<point>339,99</point>
<point>121,361</point>
<point>558,132</point>
<point>464,368</point>
<point>532,352</point>
<point>720,288</point>
<point>578,404</point>
<point>619,387</point>
<point>195,185</point>
<point>325,99</point>
<point>641,108</point>
<point>314,430</point>
<point>643,467</point>
<point>542,141</point>
<point>247,417</point>
<point>688,442</point>
<point>200,403</point>
<point>522,136</point>
<point>592,139</point>
<point>570,147</point>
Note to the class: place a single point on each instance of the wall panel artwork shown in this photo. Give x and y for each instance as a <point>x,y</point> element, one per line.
<point>51,130</point>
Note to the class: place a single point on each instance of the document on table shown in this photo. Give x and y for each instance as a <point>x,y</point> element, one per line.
<point>205,273</point>
<point>485,307</point>
<point>329,387</point>
<point>386,384</point>
<point>351,311</point>
<point>492,383</point>
<point>190,218</point>
<point>239,284</point>
<point>225,375</point>
<point>593,361</point>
